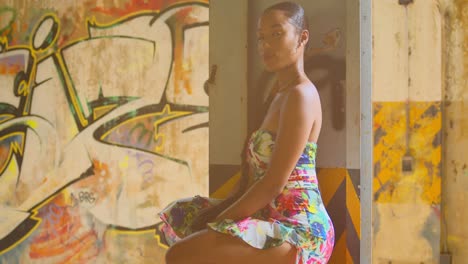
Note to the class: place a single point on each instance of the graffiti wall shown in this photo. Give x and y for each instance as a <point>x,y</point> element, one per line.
<point>103,121</point>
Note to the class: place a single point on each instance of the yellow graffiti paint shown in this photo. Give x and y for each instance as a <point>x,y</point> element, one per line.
<point>124,163</point>
<point>166,115</point>
<point>68,83</point>
<point>9,179</point>
<point>99,111</point>
<point>5,117</point>
<point>118,232</point>
<point>14,148</point>
<point>390,183</point>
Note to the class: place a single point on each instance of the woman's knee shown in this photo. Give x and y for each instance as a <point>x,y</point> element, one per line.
<point>172,254</point>
<point>192,247</point>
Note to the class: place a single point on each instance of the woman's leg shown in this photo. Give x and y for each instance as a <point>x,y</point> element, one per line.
<point>211,247</point>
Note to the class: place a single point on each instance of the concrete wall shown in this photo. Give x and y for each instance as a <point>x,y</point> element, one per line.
<point>103,114</point>
<point>227,88</point>
<point>455,129</point>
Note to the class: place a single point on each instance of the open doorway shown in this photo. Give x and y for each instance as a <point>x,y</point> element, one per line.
<point>335,63</point>
<point>331,64</point>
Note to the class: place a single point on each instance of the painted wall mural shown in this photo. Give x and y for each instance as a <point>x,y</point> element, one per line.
<point>103,116</point>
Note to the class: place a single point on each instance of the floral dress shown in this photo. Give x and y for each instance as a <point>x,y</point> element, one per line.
<point>297,215</point>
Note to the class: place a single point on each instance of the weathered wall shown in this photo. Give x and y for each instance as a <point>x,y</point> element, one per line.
<point>420,57</point>
<point>407,88</point>
<point>103,115</point>
<point>455,128</point>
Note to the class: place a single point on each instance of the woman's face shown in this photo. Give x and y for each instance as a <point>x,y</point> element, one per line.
<point>277,41</point>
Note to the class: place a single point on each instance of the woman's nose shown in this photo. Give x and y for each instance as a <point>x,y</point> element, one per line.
<point>264,46</point>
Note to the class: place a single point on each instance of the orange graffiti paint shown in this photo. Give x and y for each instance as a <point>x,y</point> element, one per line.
<point>62,233</point>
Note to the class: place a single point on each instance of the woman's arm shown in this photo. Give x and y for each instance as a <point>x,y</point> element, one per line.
<point>210,213</point>
<point>295,123</point>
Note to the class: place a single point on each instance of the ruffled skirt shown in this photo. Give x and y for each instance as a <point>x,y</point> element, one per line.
<point>296,216</point>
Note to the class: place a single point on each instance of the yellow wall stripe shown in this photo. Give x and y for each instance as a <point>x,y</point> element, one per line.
<point>353,206</point>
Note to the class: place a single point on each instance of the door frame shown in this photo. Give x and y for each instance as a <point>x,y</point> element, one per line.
<point>366,135</point>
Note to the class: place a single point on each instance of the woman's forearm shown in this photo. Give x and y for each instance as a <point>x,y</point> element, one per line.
<point>260,194</point>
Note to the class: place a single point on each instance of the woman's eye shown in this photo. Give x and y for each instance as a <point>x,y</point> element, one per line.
<point>276,34</point>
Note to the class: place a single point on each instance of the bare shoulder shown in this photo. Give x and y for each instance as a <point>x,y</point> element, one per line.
<point>304,92</point>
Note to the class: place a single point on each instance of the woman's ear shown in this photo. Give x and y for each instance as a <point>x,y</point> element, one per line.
<point>304,37</point>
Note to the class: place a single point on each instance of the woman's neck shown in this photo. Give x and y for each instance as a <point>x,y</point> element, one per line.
<point>289,76</point>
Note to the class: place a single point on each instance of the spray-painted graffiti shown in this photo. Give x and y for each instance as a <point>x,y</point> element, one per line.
<point>99,130</point>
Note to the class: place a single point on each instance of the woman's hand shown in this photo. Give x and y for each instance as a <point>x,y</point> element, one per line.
<point>209,214</point>
<point>205,216</point>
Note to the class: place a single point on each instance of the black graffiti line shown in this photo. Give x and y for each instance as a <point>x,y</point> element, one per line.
<point>22,231</point>
<point>22,76</point>
<point>108,101</point>
<point>195,25</point>
<point>178,161</point>
<point>101,130</point>
<point>12,152</point>
<point>145,110</point>
<point>51,37</point>
<point>202,125</point>
<point>68,83</point>
<point>20,112</point>
<point>15,126</point>
<point>33,220</point>
<point>65,76</point>
<point>155,18</point>
<point>8,109</point>
<point>26,78</point>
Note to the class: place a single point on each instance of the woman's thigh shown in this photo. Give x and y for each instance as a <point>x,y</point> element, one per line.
<point>211,247</point>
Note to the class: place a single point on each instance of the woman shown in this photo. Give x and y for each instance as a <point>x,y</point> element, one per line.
<point>277,214</point>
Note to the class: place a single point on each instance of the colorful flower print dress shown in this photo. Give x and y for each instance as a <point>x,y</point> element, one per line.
<point>297,215</point>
